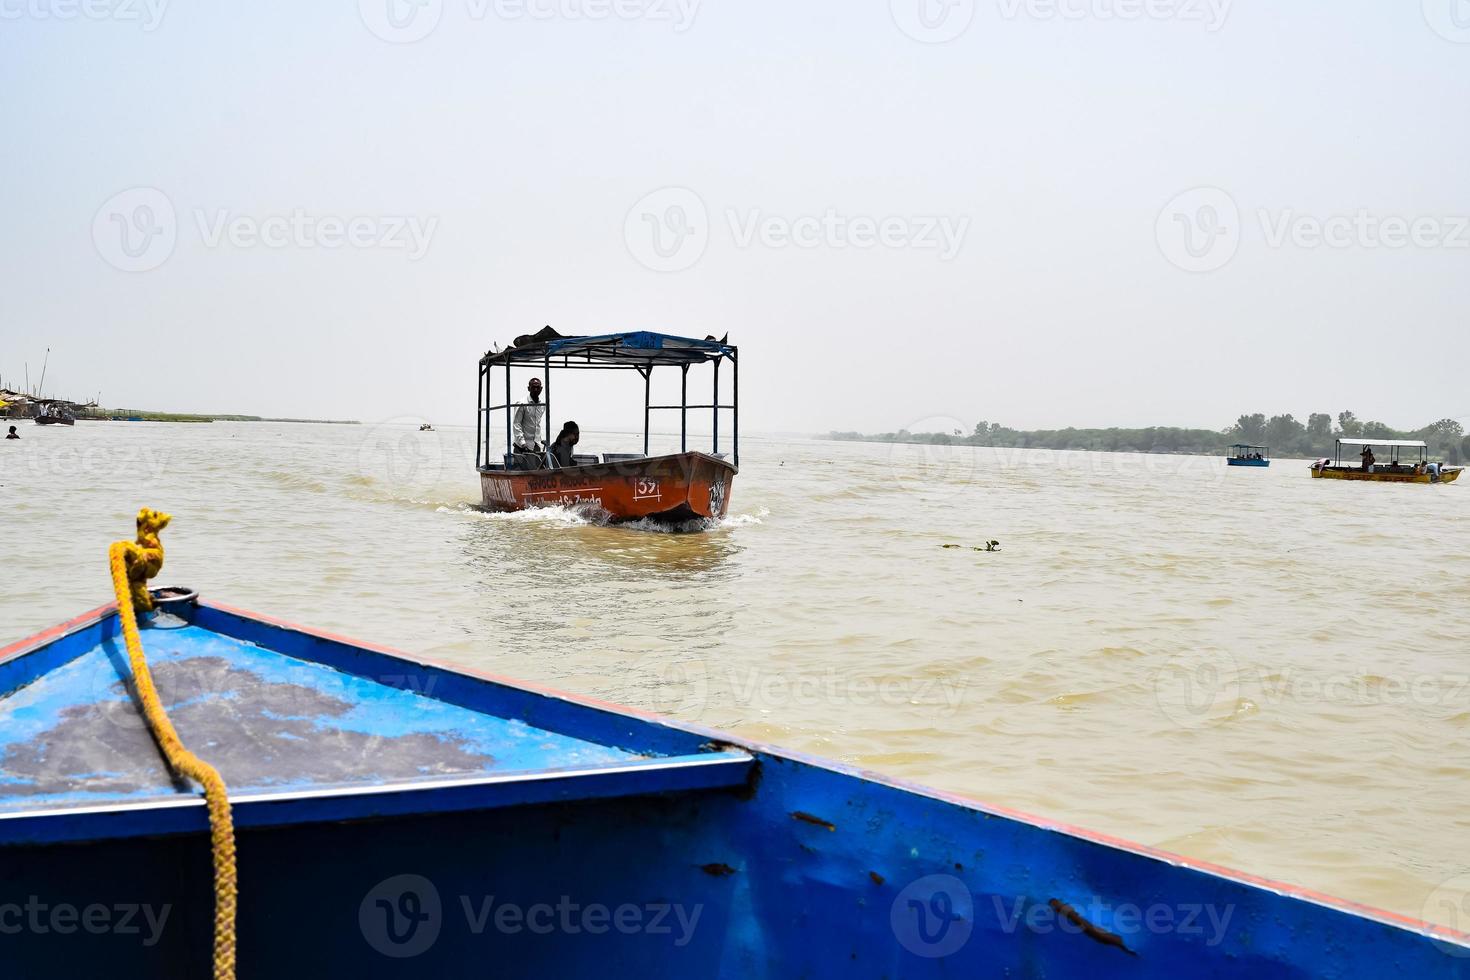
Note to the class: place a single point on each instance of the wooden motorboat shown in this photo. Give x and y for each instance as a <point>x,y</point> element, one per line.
<point>675,488</point>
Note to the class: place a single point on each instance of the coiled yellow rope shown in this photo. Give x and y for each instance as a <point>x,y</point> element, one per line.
<point>133,564</point>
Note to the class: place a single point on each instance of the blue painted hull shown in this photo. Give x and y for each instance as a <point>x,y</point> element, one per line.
<point>437,823</point>
<point>1231,461</point>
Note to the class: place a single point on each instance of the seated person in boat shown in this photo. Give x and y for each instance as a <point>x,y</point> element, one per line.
<point>526,429</point>
<point>566,442</point>
<point>1368,458</point>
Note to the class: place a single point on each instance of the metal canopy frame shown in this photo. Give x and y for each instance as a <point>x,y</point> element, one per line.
<point>1385,443</point>
<point>1394,446</point>
<point>640,351</point>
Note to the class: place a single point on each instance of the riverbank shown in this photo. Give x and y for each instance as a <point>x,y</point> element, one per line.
<point>1283,434</point>
<point>18,406</point>
<point>132,415</point>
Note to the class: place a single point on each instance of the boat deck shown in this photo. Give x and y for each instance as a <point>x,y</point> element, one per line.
<point>280,729</point>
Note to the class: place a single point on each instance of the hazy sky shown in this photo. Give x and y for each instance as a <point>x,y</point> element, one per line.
<point>1039,212</point>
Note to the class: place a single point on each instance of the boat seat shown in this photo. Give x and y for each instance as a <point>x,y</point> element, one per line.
<point>577,460</point>
<point>621,457</point>
<point>510,461</point>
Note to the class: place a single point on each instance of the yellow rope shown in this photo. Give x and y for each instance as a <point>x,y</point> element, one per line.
<point>132,565</point>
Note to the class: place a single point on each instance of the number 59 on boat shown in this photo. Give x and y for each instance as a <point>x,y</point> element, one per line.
<point>675,488</point>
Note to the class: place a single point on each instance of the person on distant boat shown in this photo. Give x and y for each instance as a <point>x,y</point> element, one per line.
<point>566,441</point>
<point>526,425</point>
<point>1432,469</point>
<point>1368,458</point>
<point>12,434</point>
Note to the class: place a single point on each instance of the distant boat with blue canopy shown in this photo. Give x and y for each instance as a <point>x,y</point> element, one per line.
<point>1243,455</point>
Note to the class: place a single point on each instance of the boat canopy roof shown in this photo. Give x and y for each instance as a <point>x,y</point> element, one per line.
<point>1386,443</point>
<point>1243,445</point>
<point>638,348</point>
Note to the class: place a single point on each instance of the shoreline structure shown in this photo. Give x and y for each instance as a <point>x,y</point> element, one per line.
<point>20,405</point>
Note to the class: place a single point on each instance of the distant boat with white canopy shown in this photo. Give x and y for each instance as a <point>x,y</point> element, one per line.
<point>1402,461</point>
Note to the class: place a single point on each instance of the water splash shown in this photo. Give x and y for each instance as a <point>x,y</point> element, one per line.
<point>557,515</point>
<point>561,515</point>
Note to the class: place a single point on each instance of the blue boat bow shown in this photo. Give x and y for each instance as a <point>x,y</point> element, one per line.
<point>398,817</point>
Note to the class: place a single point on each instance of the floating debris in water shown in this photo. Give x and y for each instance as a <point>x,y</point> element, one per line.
<point>989,546</point>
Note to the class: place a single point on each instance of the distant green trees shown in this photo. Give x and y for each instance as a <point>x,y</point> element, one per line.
<point>1288,437</point>
<point>1282,433</point>
<point>1251,428</point>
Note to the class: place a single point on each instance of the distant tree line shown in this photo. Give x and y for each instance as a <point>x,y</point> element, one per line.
<point>1282,433</point>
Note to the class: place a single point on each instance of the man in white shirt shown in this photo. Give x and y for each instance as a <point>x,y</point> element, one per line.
<point>527,424</point>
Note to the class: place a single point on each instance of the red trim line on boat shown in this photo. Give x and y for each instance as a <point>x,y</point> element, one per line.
<point>56,632</point>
